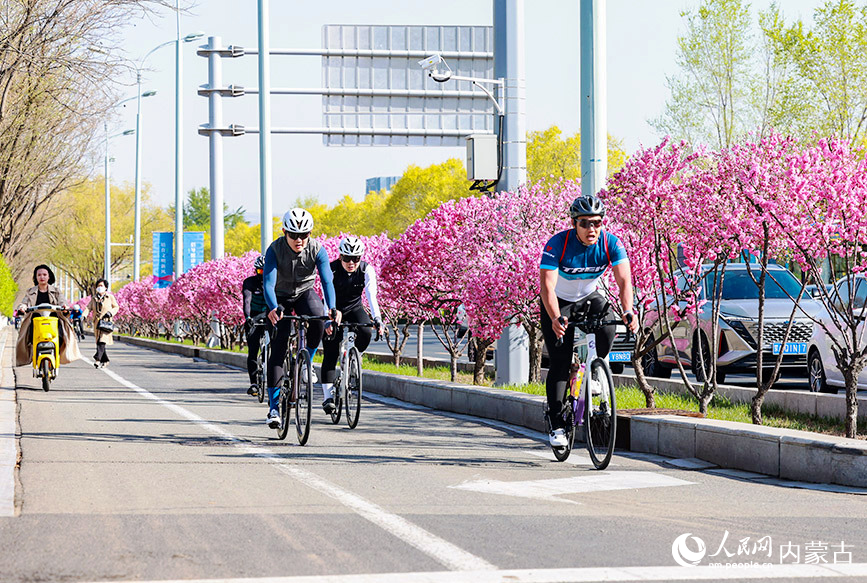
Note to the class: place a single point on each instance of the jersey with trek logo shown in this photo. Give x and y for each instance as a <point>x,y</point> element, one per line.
<point>580,265</point>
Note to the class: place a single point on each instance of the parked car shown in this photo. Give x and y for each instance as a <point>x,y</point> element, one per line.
<point>825,376</point>
<point>737,346</point>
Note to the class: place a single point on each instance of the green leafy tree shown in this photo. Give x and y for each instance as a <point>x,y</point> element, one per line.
<point>197,212</point>
<point>551,158</point>
<point>8,289</point>
<point>823,90</point>
<point>420,190</point>
<point>713,99</point>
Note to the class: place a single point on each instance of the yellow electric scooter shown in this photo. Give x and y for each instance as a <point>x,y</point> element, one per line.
<point>45,325</point>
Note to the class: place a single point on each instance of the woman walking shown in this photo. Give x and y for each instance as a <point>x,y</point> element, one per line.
<point>102,307</point>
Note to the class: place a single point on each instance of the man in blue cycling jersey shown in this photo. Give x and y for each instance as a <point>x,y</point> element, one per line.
<point>290,265</point>
<point>572,263</point>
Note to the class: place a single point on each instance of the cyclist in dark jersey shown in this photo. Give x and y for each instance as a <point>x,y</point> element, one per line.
<point>253,293</point>
<point>352,277</point>
<point>572,263</point>
<point>291,263</point>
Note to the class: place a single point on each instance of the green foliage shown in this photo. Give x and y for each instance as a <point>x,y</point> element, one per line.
<point>711,101</point>
<point>826,75</point>
<point>8,289</point>
<point>551,158</point>
<point>197,212</point>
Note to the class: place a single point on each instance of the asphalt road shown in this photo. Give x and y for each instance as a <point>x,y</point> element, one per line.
<point>161,468</point>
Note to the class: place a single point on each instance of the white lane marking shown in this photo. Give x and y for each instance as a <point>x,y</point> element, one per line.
<point>576,458</point>
<point>444,552</point>
<point>550,489</point>
<point>578,575</point>
<point>8,451</point>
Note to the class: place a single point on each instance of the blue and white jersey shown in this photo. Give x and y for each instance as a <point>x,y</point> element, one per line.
<point>579,266</point>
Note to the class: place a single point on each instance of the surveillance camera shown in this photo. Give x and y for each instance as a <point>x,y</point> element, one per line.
<point>431,62</point>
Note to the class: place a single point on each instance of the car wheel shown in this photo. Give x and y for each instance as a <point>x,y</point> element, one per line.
<point>616,367</point>
<point>651,365</point>
<point>701,366</point>
<point>818,381</point>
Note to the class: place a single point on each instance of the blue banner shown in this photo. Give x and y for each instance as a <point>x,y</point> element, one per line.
<point>163,261</point>
<point>194,248</point>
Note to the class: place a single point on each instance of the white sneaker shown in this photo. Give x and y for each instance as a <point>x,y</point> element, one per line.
<point>558,438</point>
<point>595,388</point>
<point>273,419</point>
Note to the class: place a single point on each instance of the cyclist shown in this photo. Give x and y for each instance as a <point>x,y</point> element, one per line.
<point>289,274</point>
<point>253,293</point>
<point>75,315</point>
<point>572,262</point>
<point>352,277</point>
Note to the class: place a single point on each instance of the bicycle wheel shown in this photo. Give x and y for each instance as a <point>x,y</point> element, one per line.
<point>46,374</point>
<point>600,414</point>
<point>353,388</point>
<point>285,399</point>
<point>262,380</point>
<point>303,395</point>
<point>337,395</point>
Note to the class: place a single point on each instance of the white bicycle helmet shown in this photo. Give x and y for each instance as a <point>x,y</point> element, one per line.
<point>351,246</point>
<point>298,221</point>
<point>259,263</point>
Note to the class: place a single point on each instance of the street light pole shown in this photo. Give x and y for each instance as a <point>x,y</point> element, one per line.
<point>107,267</point>
<point>179,151</point>
<point>137,229</point>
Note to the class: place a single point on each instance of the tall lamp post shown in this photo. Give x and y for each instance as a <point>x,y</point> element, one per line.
<point>107,268</point>
<point>138,70</point>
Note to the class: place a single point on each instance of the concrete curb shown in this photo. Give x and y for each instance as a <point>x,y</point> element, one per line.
<point>8,423</point>
<point>783,453</point>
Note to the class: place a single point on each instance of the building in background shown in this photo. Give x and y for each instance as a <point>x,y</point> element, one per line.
<point>380,183</point>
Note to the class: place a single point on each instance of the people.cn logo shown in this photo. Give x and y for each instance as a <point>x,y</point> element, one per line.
<point>683,555</point>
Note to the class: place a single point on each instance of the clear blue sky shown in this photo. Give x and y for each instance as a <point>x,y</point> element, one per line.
<point>642,37</point>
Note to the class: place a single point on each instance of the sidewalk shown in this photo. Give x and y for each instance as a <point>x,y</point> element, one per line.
<point>8,423</point>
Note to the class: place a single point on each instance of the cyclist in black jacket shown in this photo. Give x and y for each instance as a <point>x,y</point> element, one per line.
<point>352,277</point>
<point>254,304</point>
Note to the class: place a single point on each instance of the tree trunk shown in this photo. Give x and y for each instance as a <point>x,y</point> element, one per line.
<point>851,404</point>
<point>643,385</point>
<point>420,351</point>
<point>453,365</point>
<point>535,336</point>
<point>756,407</point>
<point>703,401</point>
<point>481,351</point>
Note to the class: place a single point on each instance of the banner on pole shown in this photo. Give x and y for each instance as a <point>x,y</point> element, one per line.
<point>163,261</point>
<point>194,249</point>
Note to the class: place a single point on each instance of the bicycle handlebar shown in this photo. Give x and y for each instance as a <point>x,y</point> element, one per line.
<point>594,324</point>
<point>356,325</point>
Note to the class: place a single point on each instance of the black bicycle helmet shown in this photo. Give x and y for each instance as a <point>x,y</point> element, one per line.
<point>587,205</point>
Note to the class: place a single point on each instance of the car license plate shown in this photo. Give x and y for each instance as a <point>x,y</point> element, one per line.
<point>622,356</point>
<point>790,348</point>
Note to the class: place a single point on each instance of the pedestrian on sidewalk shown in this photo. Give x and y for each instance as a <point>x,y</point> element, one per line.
<point>102,308</point>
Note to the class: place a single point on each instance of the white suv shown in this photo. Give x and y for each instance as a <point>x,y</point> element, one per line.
<point>825,377</point>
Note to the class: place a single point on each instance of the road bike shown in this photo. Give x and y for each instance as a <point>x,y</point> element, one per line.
<point>261,375</point>
<point>589,400</point>
<point>297,387</point>
<point>347,385</point>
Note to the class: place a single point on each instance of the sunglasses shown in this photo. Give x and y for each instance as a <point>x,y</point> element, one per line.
<point>350,258</point>
<point>587,223</point>
<point>297,236</point>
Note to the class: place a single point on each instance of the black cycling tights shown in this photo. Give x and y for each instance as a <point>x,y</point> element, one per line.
<point>560,357</point>
<point>307,304</point>
<point>331,346</point>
